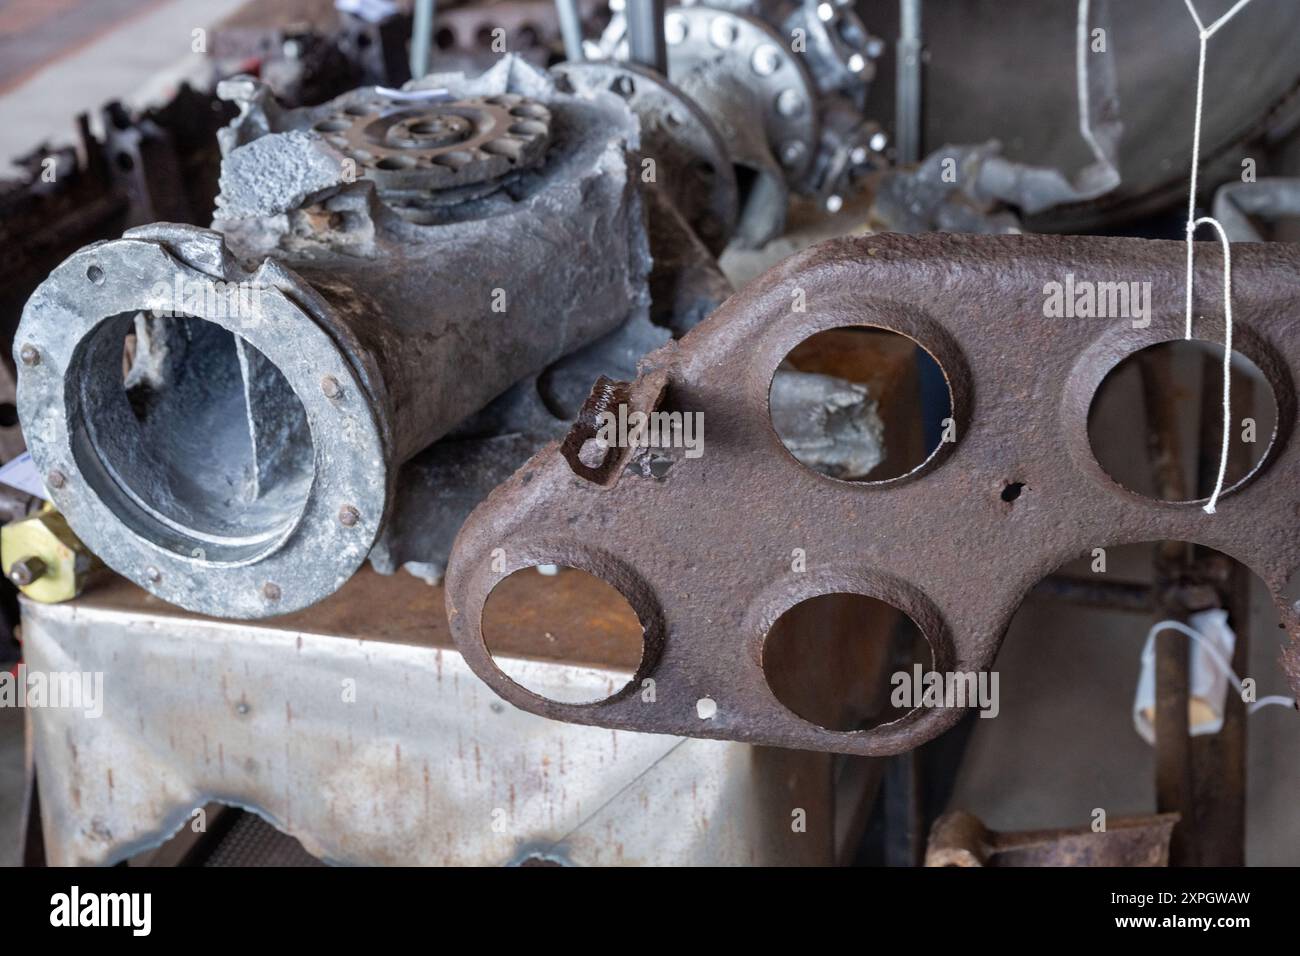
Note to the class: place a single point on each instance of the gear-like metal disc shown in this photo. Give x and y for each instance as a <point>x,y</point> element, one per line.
<point>440,145</point>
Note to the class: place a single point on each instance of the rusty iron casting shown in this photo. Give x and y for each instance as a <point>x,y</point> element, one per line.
<point>701,547</point>
<point>961,839</point>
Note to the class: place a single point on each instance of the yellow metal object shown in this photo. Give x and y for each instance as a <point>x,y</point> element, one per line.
<point>44,558</point>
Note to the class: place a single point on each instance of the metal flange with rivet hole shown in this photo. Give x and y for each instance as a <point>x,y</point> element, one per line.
<point>169,528</point>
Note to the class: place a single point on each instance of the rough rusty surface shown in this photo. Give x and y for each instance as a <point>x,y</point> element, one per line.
<point>702,548</point>
<point>961,839</point>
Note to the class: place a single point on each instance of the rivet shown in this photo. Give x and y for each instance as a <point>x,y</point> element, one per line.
<point>331,387</point>
<point>56,479</point>
<point>30,355</point>
<point>765,60</point>
<point>789,103</point>
<point>152,574</point>
<point>349,516</point>
<point>271,591</point>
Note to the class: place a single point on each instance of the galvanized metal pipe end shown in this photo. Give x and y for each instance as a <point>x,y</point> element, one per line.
<point>208,426</point>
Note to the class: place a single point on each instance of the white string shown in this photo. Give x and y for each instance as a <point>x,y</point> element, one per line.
<point>1192,223</point>
<point>1149,656</point>
<point>1227,358</point>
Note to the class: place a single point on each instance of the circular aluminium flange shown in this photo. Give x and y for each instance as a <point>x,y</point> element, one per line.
<point>676,133</point>
<point>704,41</point>
<point>440,145</point>
<point>61,397</point>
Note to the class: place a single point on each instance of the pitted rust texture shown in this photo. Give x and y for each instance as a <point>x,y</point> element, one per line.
<point>961,839</point>
<point>703,553</point>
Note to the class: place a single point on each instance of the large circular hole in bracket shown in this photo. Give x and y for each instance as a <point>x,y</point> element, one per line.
<point>860,404</point>
<point>1147,419</point>
<point>845,661</point>
<point>563,634</point>
<point>1072,677</point>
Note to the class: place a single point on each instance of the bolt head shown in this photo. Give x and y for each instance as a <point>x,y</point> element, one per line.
<point>789,103</point>
<point>723,32</point>
<point>765,60</point>
<point>56,479</point>
<point>349,516</point>
<point>30,355</point>
<point>675,28</point>
<point>152,574</point>
<point>26,570</point>
<point>331,387</point>
<point>271,591</point>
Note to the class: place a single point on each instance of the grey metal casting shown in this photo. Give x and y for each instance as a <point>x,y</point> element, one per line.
<point>221,414</point>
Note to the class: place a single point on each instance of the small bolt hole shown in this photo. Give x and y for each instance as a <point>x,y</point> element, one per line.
<point>1012,491</point>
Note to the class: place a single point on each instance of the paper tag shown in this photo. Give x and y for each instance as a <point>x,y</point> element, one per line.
<point>21,473</point>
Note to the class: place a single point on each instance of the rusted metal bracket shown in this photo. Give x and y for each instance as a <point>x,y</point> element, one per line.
<point>961,839</point>
<point>702,550</point>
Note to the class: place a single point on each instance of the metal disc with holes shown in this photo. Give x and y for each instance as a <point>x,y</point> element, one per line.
<point>676,133</point>
<point>440,145</point>
<point>705,43</point>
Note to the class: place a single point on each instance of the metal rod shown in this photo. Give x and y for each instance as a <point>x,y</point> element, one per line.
<point>1219,760</point>
<point>421,38</point>
<point>645,34</point>
<point>1114,595</point>
<point>570,29</point>
<point>1174,770</point>
<point>908,102</point>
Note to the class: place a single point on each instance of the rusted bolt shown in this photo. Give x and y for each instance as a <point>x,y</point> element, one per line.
<point>152,574</point>
<point>26,570</point>
<point>331,387</point>
<point>271,591</point>
<point>349,516</point>
<point>56,479</point>
<point>30,355</point>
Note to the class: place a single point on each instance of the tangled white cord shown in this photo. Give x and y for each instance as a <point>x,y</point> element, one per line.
<point>1149,654</point>
<point>1192,224</point>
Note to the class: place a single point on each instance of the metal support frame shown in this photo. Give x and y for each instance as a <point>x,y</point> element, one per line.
<point>421,37</point>
<point>570,29</point>
<point>908,103</point>
<point>645,34</point>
